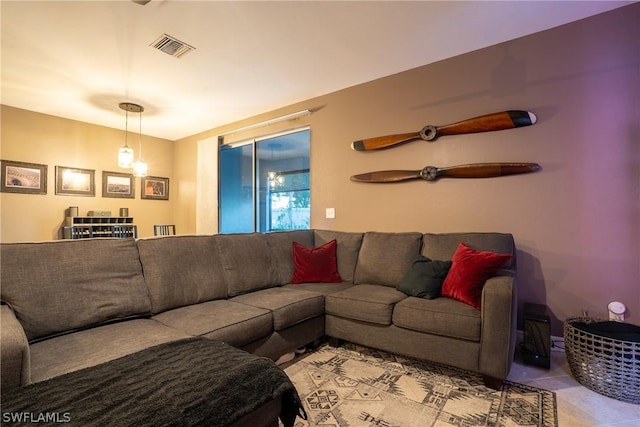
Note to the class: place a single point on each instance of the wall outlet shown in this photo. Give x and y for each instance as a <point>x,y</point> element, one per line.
<point>330,213</point>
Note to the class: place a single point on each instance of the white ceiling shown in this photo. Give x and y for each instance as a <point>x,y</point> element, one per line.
<point>80,59</point>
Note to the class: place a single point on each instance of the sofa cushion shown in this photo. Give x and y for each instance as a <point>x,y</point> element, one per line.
<point>67,353</point>
<point>247,262</point>
<point>469,270</point>
<point>442,316</point>
<point>442,246</point>
<point>288,306</point>
<point>61,286</point>
<point>320,288</point>
<point>424,278</point>
<point>280,244</point>
<point>224,320</point>
<point>385,257</point>
<point>315,264</point>
<point>346,251</point>
<point>368,303</point>
<point>181,270</point>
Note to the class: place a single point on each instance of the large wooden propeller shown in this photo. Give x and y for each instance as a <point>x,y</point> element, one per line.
<point>487,123</point>
<point>432,173</point>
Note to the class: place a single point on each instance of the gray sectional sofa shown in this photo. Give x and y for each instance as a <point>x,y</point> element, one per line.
<point>67,305</point>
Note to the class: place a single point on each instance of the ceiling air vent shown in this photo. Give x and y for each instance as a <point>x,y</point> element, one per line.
<point>172,46</point>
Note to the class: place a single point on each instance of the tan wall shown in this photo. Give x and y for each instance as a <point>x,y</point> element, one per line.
<point>576,222</point>
<point>39,138</point>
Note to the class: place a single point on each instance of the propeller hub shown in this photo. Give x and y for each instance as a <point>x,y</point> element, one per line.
<point>429,133</point>
<point>429,173</point>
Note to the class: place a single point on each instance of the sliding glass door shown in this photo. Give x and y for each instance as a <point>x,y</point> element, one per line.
<point>264,184</point>
<point>236,193</point>
<point>289,202</point>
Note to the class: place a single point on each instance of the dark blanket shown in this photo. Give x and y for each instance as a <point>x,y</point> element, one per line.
<point>610,329</point>
<point>193,382</point>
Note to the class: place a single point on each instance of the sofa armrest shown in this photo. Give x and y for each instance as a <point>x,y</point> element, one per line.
<point>15,367</point>
<point>498,339</point>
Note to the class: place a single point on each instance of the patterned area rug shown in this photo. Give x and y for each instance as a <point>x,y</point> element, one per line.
<point>354,386</point>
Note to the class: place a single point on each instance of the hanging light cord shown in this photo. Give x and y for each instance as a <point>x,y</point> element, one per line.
<point>140,138</point>
<point>126,127</point>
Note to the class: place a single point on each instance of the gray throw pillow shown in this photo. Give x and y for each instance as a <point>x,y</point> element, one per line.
<point>424,278</point>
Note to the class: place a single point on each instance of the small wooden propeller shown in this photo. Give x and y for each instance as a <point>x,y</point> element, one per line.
<point>487,123</point>
<point>432,173</point>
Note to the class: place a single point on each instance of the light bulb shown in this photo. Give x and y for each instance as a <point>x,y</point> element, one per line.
<point>140,168</point>
<point>125,157</point>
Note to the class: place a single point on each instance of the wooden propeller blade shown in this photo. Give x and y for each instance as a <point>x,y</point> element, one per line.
<point>432,173</point>
<point>486,170</point>
<point>387,176</point>
<point>487,123</point>
<point>490,122</point>
<point>384,141</point>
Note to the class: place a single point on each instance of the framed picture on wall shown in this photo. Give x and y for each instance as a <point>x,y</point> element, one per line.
<point>118,185</point>
<point>21,177</point>
<point>75,181</point>
<point>154,187</point>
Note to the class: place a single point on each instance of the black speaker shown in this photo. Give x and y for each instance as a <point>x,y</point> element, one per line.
<point>536,348</point>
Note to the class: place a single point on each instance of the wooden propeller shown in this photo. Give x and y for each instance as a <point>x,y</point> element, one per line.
<point>432,173</point>
<point>487,123</point>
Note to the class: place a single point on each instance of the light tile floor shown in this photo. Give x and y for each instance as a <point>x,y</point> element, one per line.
<point>577,405</point>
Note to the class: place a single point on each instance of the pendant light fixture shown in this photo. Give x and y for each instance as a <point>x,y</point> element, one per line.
<point>125,153</point>
<point>139,167</point>
<point>274,177</point>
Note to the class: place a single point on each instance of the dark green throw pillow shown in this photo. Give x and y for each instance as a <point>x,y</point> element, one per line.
<point>424,278</point>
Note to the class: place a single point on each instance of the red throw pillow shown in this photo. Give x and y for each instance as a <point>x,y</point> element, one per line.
<point>315,265</point>
<point>469,270</point>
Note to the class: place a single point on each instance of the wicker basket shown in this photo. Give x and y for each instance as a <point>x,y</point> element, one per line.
<point>607,366</point>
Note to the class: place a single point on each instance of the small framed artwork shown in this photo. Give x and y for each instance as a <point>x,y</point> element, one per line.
<point>155,188</point>
<point>75,181</point>
<point>21,177</point>
<point>118,185</point>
